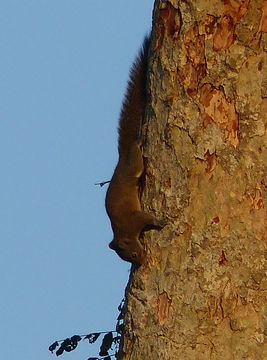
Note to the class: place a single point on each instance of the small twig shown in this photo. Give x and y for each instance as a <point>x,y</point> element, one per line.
<point>101,358</point>
<point>96,332</point>
<point>103,183</point>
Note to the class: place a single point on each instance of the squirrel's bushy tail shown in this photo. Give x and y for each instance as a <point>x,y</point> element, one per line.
<point>133,106</point>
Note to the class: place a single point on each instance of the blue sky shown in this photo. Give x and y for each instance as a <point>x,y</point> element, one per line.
<point>64,66</point>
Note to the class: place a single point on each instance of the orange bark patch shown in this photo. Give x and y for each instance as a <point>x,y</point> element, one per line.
<point>222,258</point>
<point>224,36</point>
<point>163,307</point>
<point>219,110</point>
<point>216,220</point>
<point>195,68</point>
<point>263,22</point>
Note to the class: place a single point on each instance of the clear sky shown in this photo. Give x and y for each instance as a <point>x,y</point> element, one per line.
<point>64,66</point>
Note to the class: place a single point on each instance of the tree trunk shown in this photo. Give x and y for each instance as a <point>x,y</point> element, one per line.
<point>202,293</point>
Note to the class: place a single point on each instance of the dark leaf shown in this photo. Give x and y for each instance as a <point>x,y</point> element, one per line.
<point>119,328</point>
<point>106,344</point>
<point>67,345</point>
<point>60,351</point>
<point>76,338</point>
<point>92,337</point>
<point>121,306</point>
<point>68,348</point>
<point>53,346</point>
<point>93,358</point>
<point>121,316</point>
<point>117,339</point>
<point>103,353</point>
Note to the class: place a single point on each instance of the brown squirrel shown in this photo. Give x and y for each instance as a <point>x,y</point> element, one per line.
<point>122,200</point>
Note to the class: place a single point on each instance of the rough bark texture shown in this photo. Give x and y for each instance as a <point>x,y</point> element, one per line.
<point>202,293</point>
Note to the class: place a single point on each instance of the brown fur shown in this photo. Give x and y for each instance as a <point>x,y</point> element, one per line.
<point>122,200</point>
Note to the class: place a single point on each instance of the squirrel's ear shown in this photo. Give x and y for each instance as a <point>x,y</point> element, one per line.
<point>112,245</point>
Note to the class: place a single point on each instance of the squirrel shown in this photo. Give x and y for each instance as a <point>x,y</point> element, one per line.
<point>122,198</point>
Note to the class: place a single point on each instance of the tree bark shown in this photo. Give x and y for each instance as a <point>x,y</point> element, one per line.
<point>202,292</point>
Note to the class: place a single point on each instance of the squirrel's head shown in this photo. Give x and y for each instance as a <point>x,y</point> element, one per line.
<point>128,250</point>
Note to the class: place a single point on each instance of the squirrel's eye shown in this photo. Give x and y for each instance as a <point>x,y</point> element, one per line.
<point>134,255</point>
